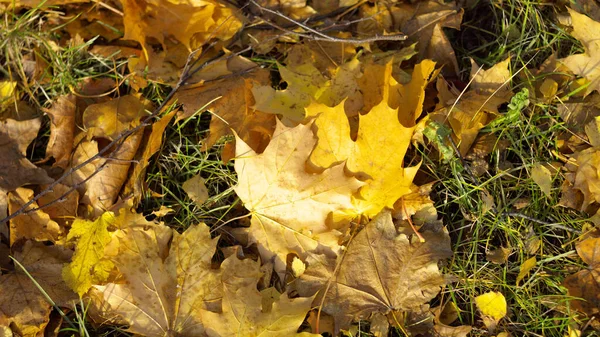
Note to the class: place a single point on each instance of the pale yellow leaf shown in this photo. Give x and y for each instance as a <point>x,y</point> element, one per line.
<point>543,178</point>
<point>242,312</point>
<point>276,188</point>
<point>525,268</point>
<point>196,189</point>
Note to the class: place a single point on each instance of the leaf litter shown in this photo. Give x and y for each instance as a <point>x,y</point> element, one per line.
<point>325,130</point>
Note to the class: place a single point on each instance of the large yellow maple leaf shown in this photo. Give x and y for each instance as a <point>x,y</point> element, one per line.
<point>376,155</point>
<point>290,206</point>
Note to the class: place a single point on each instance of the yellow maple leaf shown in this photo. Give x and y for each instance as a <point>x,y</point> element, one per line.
<point>377,154</point>
<point>303,82</point>
<point>276,188</point>
<point>87,266</point>
<point>245,314</point>
<point>586,64</point>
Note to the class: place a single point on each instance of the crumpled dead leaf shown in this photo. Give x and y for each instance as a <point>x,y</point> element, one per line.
<point>244,311</point>
<point>15,169</point>
<point>383,269</point>
<point>106,121</point>
<point>276,188</point>
<point>476,107</point>
<point>164,287</point>
<point>36,225</point>
<point>585,284</point>
<point>230,101</point>
<point>22,303</point>
<point>62,130</point>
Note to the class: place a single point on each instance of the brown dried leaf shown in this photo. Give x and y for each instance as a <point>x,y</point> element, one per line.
<point>166,288</point>
<point>383,269</point>
<point>586,283</point>
<point>36,225</point>
<point>232,111</point>
<point>244,312</point>
<point>151,144</point>
<point>62,130</point>
<point>22,303</point>
<point>15,169</point>
<point>423,23</point>
<point>476,107</point>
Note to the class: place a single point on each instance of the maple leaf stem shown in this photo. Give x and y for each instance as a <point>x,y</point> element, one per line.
<point>421,238</point>
<point>335,271</point>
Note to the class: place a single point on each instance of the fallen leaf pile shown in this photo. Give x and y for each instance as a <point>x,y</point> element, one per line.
<point>326,140</point>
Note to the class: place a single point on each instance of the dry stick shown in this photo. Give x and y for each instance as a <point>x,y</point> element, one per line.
<point>319,36</point>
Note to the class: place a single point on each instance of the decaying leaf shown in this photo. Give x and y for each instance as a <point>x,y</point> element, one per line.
<point>151,144</point>
<point>423,22</point>
<point>276,188</point>
<point>35,225</point>
<point>543,178</point>
<point>62,130</point>
<point>585,65</point>
<point>196,189</point>
<point>499,255</point>
<point>586,283</point>
<point>164,288</point>
<point>384,269</point>
<point>15,169</point>
<point>476,107</point>
<point>244,313</point>
<point>525,268</point>
<point>107,121</point>
<point>22,304</point>
<point>230,101</point>
<point>60,204</point>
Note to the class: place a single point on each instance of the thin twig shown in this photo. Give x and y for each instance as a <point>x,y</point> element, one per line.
<point>541,222</point>
<point>316,35</point>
